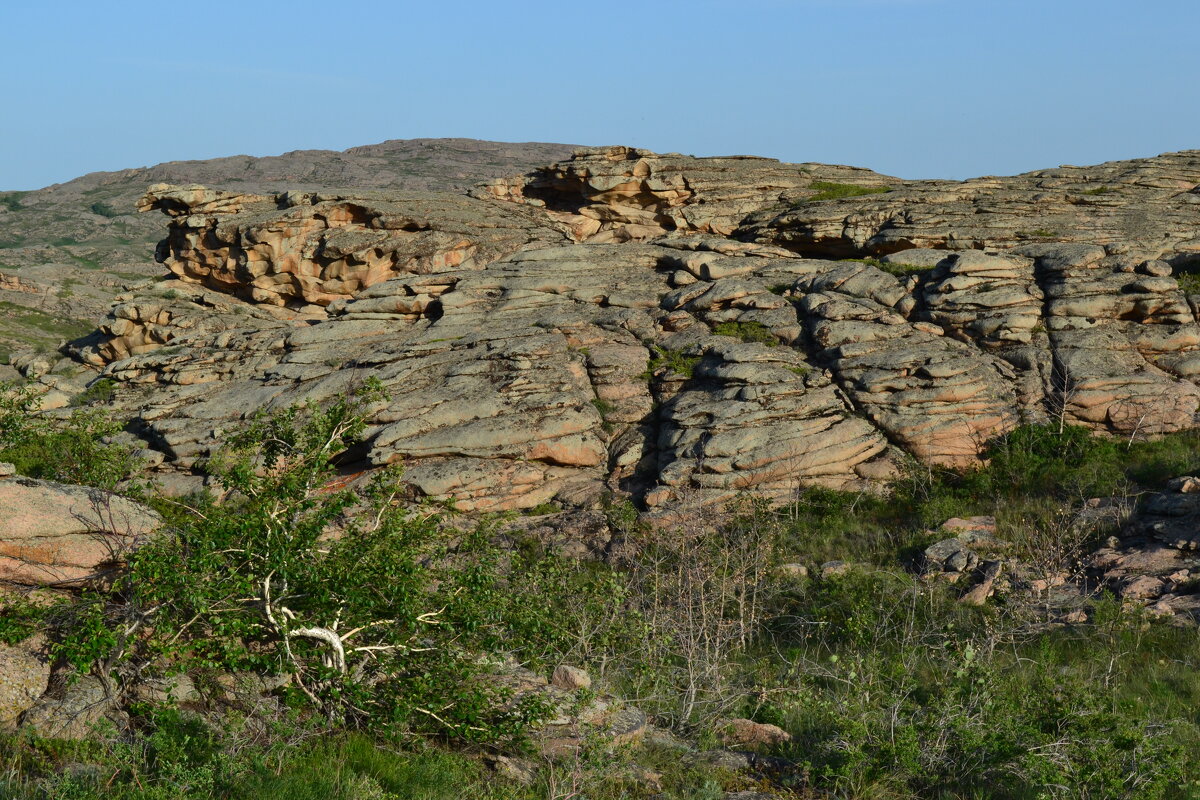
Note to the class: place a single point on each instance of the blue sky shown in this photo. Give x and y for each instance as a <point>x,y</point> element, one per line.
<point>916,88</point>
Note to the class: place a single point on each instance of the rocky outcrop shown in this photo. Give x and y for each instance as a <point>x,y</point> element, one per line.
<point>52,534</point>
<point>619,194</point>
<point>656,357</point>
<point>1146,208</point>
<point>310,248</point>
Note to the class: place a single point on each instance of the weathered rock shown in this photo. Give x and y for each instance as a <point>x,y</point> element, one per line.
<point>70,708</point>
<point>570,678</point>
<point>52,533</point>
<point>24,674</point>
<point>1154,560</point>
<point>313,248</point>
<point>617,194</point>
<point>1145,208</point>
<point>748,733</point>
<point>660,358</point>
<point>978,594</point>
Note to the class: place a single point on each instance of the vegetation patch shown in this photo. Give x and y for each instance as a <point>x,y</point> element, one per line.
<point>104,210</point>
<point>888,686</point>
<point>1189,282</point>
<point>676,362</point>
<point>12,200</point>
<point>749,332</point>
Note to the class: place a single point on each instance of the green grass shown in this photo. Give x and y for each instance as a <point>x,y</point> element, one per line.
<point>890,687</point>
<point>98,393</point>
<point>749,332</point>
<point>827,190</point>
<point>354,767</point>
<point>66,328</point>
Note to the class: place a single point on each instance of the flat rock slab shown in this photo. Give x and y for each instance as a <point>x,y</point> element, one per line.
<point>52,533</point>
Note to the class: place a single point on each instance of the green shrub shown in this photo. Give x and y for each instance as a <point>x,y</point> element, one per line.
<point>375,629</point>
<point>76,449</point>
<point>676,362</point>
<point>12,200</point>
<point>100,392</point>
<point>1189,282</point>
<point>104,210</point>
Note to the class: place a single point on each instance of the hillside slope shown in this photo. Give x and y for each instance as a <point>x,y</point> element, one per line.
<point>65,250</point>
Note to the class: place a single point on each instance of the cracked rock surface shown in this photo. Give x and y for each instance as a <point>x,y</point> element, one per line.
<point>605,325</point>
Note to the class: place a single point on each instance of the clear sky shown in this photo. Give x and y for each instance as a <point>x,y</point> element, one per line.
<point>915,88</point>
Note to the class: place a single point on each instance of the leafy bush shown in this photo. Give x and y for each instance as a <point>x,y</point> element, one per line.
<point>360,623</point>
<point>1189,282</point>
<point>76,449</point>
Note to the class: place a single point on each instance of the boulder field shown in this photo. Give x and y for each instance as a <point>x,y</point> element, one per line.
<point>654,326</point>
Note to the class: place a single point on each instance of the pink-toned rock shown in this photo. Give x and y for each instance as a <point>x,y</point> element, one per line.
<point>970,526</point>
<point>24,673</point>
<point>52,533</point>
<point>570,678</point>
<point>1143,587</point>
<point>748,733</point>
<point>1185,485</point>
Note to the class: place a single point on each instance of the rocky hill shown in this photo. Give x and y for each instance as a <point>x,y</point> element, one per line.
<point>659,326</point>
<point>65,250</point>
<point>607,348</point>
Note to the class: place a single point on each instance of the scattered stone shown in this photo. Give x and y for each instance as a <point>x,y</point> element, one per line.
<point>1143,587</point>
<point>949,555</point>
<point>24,674</point>
<point>1184,485</point>
<point>978,594</point>
<point>70,709</point>
<point>7,469</point>
<point>570,678</point>
<point>832,569</point>
<point>741,732</point>
<point>517,770</point>
<point>795,572</point>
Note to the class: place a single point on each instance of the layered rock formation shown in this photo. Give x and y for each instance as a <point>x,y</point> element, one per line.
<point>1146,208</point>
<point>604,326</point>
<point>622,193</point>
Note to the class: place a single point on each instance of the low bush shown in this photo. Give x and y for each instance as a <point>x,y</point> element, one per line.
<point>73,449</point>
